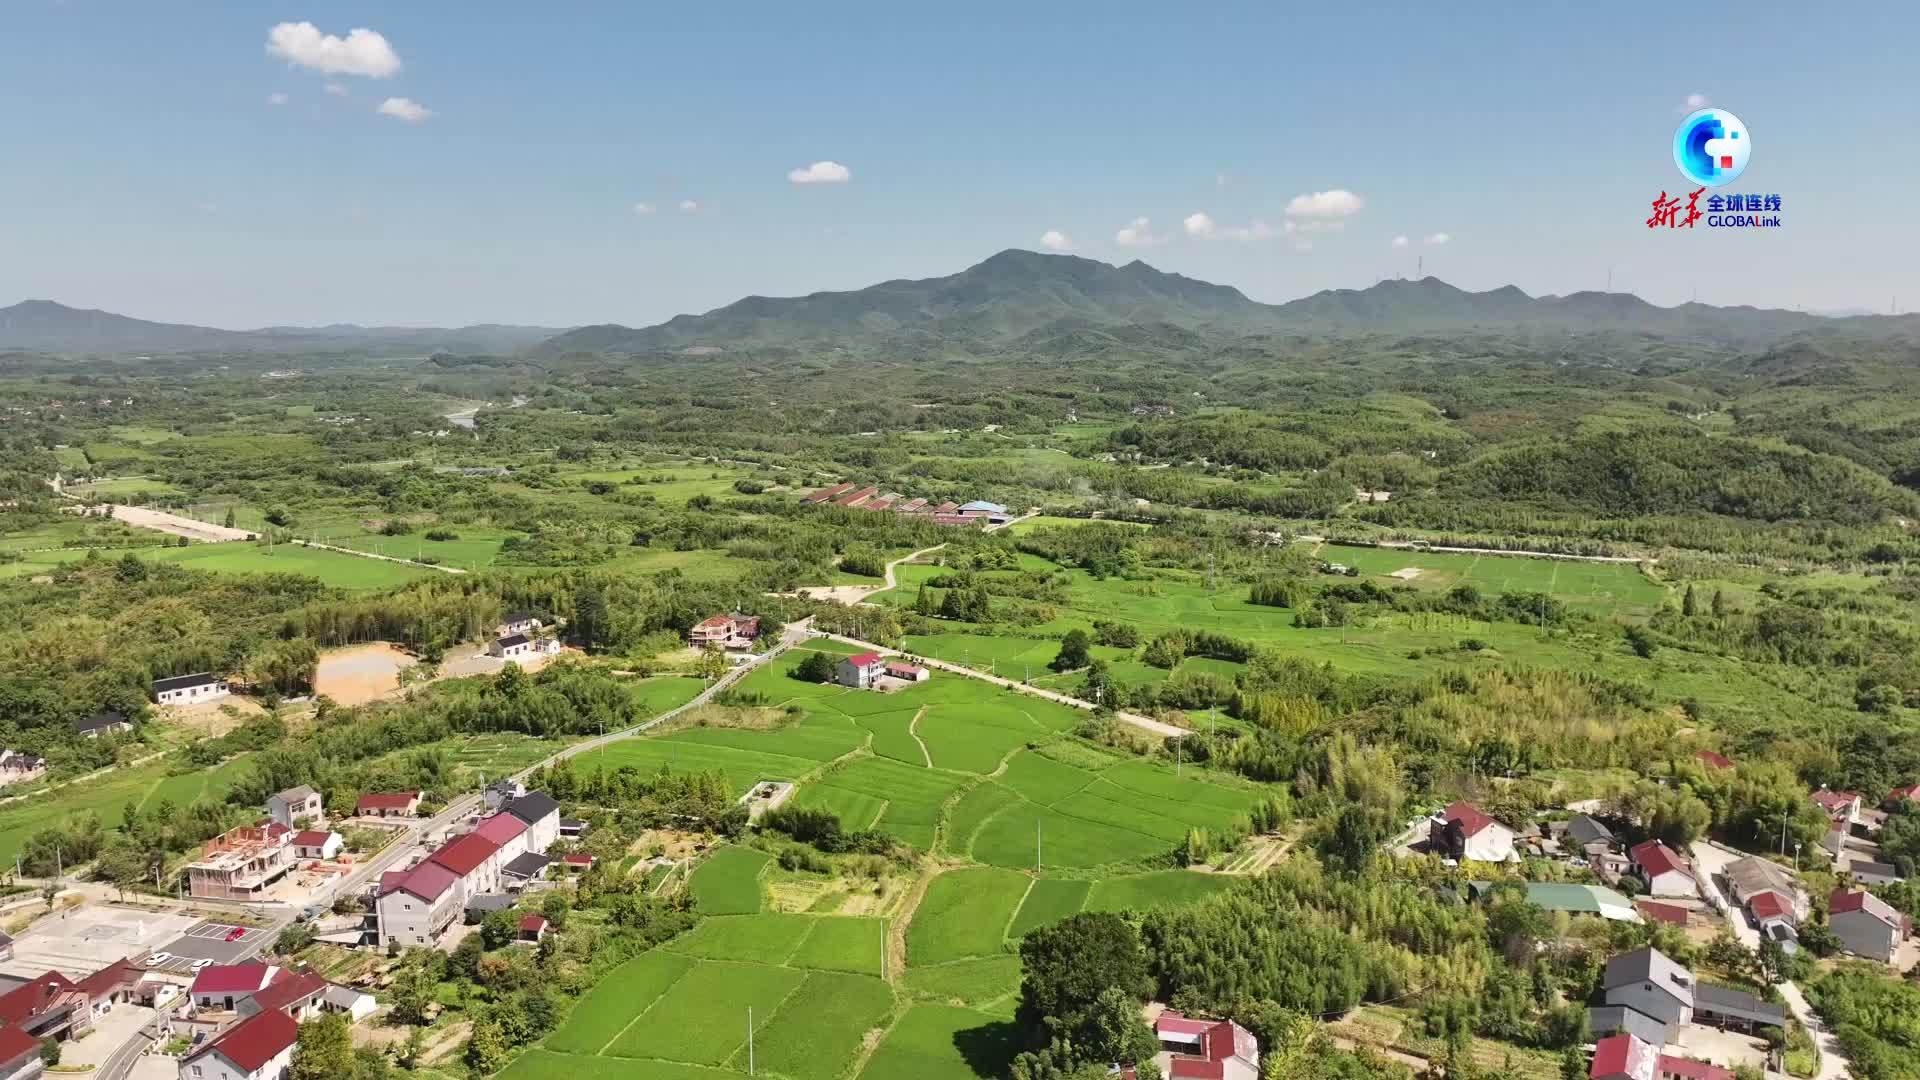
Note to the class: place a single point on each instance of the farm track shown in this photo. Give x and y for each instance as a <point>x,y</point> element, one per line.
<point>383,558</point>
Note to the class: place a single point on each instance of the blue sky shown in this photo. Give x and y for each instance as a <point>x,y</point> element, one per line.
<point>149,170</point>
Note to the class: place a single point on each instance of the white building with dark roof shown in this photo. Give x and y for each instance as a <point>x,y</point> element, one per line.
<point>189,689</point>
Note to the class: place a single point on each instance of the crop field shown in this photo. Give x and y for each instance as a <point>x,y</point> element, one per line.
<point>741,767</point>
<point>816,942</point>
<point>665,692</point>
<point>943,1042</point>
<point>608,1008</point>
<point>474,547</point>
<point>108,797</point>
<point>332,567</point>
<point>125,485</point>
<point>1614,586</point>
<point>728,883</point>
<point>964,914</point>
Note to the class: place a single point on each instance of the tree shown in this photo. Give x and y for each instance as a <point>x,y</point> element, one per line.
<point>1642,642</point>
<point>1719,605</point>
<point>1357,832</point>
<point>815,667</point>
<point>499,928</point>
<point>487,1049</point>
<point>123,864</point>
<point>1573,1064</point>
<point>1073,651</point>
<point>130,568</point>
<point>1067,966</point>
<point>229,519</point>
<point>713,663</point>
<point>1111,1029</point>
<point>1688,605</point>
<point>324,1050</point>
<point>50,1051</point>
<point>556,907</point>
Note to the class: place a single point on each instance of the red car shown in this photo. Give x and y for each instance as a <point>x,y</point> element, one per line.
<point>236,933</point>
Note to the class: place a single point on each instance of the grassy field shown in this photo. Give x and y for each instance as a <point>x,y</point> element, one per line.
<point>107,797</point>
<point>728,883</point>
<point>332,567</point>
<point>964,914</point>
<point>943,1042</point>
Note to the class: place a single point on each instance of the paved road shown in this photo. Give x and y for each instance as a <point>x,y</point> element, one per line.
<point>1144,723</point>
<point>1712,860</point>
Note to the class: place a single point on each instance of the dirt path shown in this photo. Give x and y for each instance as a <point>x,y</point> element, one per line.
<point>913,726</point>
<point>897,934</point>
<point>857,594</point>
<point>382,558</point>
<point>176,525</point>
<point>1144,723</point>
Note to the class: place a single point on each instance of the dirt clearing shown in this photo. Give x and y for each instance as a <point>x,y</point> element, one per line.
<point>360,674</point>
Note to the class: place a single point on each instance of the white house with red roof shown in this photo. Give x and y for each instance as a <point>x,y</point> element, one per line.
<point>388,804</point>
<point>1867,925</point>
<point>317,844</point>
<point>1842,807</point>
<point>1193,1049</point>
<point>532,929</point>
<point>735,631</point>
<point>1664,871</point>
<point>415,906</point>
<point>900,669</point>
<point>1624,1057</point>
<point>1463,831</point>
<point>1901,796</point>
<point>860,670</point>
<point>224,986</point>
<point>257,1048</point>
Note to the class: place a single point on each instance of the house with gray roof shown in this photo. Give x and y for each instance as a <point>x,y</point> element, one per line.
<point>1727,1007</point>
<point>1650,983</point>
<point>1591,834</point>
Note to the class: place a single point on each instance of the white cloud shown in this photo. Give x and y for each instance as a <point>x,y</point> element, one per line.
<point>1055,240</point>
<point>404,109</point>
<point>688,206</point>
<point>821,172</point>
<point>1200,225</point>
<point>1696,101</point>
<point>1136,233</point>
<point>643,208</point>
<point>335,89</point>
<point>276,99</point>
<point>1436,239</point>
<point>1325,205</point>
<point>361,52</point>
<point>1400,241</point>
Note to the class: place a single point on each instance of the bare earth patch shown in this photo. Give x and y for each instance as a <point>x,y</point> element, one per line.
<point>1407,573</point>
<point>177,525</point>
<point>362,673</point>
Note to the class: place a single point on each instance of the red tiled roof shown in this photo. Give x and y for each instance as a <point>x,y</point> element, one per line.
<point>1911,791</point>
<point>1835,801</point>
<point>311,838</point>
<point>1691,1069</point>
<point>1666,913</point>
<point>904,668</point>
<point>15,1043</point>
<point>1769,905</point>
<point>826,493</point>
<point>464,856</point>
<point>577,858</point>
<point>865,659</point>
<point>1472,820</point>
<point>253,1042</point>
<point>398,800</point>
<point>1622,1055</point>
<point>22,1003</point>
<point>230,978</point>
<point>426,881</point>
<point>290,987</point>
<point>533,923</point>
<point>1718,761</point>
<point>1842,902</point>
<point>1657,858</point>
<point>1186,1068</point>
<point>110,978</point>
<point>501,828</point>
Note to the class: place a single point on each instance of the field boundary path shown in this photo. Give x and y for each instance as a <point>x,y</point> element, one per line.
<point>383,558</point>
<point>1144,723</point>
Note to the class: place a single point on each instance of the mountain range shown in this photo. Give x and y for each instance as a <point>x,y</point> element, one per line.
<point>1006,301</point>
<point>46,326</point>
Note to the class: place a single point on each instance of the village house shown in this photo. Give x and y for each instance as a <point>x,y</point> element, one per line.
<point>1462,832</point>
<point>1664,871</point>
<point>317,844</point>
<point>1590,835</point>
<point>189,689</point>
<point>296,804</point>
<point>992,511</point>
<point>859,670</point>
<point>517,622</point>
<point>241,863</point>
<point>511,646</point>
<point>1570,897</point>
<point>734,631</point>
<point>257,1048</point>
<point>532,929</point>
<point>51,1006</point>
<point>826,493</point>
<point>1645,981</point>
<point>1214,1049</point>
<point>523,868</point>
<point>105,722</point>
<point>400,804</point>
<point>1736,1010</point>
<point>1867,925</point>
<point>17,767</point>
<point>1628,1057</point>
<point>855,498</point>
<point>542,816</point>
<point>1901,796</point>
<point>910,672</point>
<point>1842,807</point>
<point>576,862</point>
<point>1772,915</point>
<point>224,986</point>
<point>20,1055</point>
<point>1753,875</point>
<point>414,906</point>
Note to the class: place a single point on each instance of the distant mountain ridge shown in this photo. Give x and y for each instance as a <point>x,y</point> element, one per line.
<point>46,326</point>
<point>1027,295</point>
